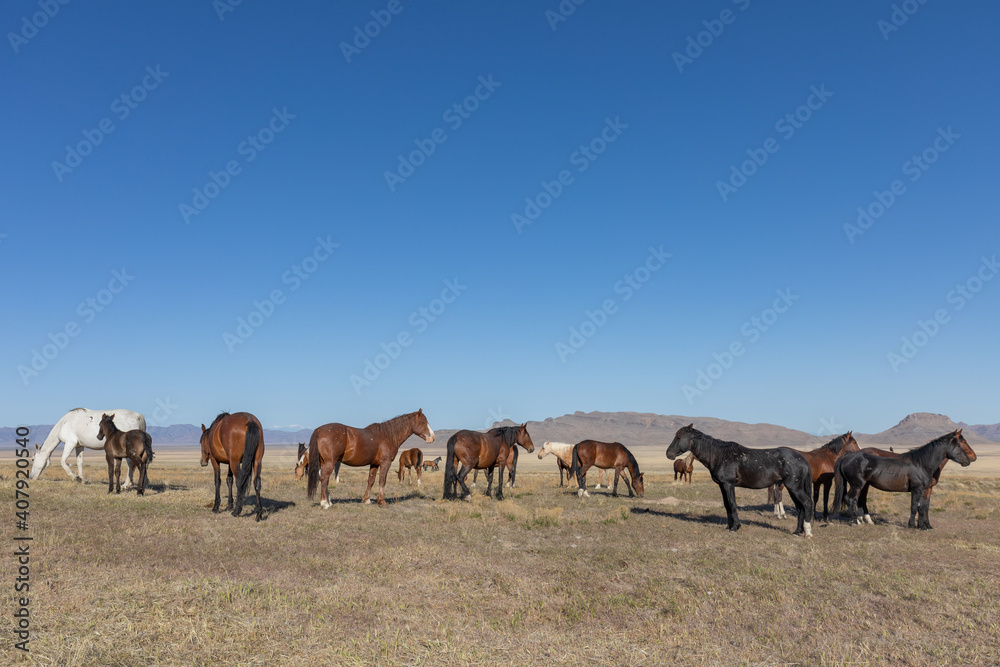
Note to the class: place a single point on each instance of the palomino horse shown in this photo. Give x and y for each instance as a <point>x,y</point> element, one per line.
<point>432,465</point>
<point>408,460</point>
<point>374,446</point>
<point>134,445</point>
<point>684,468</point>
<point>237,440</point>
<point>732,465</point>
<point>563,451</point>
<point>821,462</point>
<point>606,455</point>
<point>912,471</point>
<point>481,451</point>
<point>78,428</point>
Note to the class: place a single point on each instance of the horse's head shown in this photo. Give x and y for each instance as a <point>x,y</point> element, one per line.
<point>205,448</point>
<point>422,428</point>
<point>105,427</point>
<point>524,439</point>
<point>637,484</point>
<point>960,451</point>
<point>302,461</point>
<point>850,444</point>
<point>682,442</point>
<point>545,449</point>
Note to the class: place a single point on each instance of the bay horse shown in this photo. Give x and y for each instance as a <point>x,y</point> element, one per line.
<point>731,465</point>
<point>78,428</point>
<point>821,463</point>
<point>481,451</point>
<point>684,468</point>
<point>606,455</point>
<point>511,472</point>
<point>410,459</point>
<point>563,453</point>
<point>134,445</point>
<point>432,465</point>
<point>912,472</point>
<point>374,446</point>
<point>237,440</point>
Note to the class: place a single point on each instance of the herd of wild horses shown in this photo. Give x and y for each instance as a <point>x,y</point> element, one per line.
<point>236,440</point>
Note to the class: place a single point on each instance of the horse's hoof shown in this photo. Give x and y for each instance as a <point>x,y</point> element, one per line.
<point>368,501</point>
<point>78,480</point>
<point>467,498</point>
<point>868,520</point>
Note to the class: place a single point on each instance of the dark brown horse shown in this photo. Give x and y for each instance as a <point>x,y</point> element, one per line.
<point>374,446</point>
<point>135,445</point>
<point>606,455</point>
<point>481,451</point>
<point>912,472</point>
<point>432,465</point>
<point>302,464</point>
<point>684,468</point>
<point>237,440</point>
<point>409,460</point>
<point>511,472</point>
<point>821,462</point>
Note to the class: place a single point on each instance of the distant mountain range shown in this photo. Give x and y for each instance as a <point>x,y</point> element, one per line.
<point>630,428</point>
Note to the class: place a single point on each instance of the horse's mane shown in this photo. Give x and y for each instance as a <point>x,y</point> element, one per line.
<point>633,464</point>
<point>78,410</point>
<point>721,444</point>
<point>920,454</point>
<point>390,428</point>
<point>215,421</point>
<point>832,446</point>
<point>508,433</point>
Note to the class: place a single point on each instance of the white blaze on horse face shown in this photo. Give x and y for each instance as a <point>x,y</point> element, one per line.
<point>430,436</point>
<point>301,459</point>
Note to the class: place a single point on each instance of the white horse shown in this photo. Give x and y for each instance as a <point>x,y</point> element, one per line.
<point>78,428</point>
<point>563,451</point>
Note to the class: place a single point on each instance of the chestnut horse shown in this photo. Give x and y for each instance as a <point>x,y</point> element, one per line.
<point>411,458</point>
<point>606,455</point>
<point>821,462</point>
<point>135,445</point>
<point>915,471</point>
<point>302,464</point>
<point>684,468</point>
<point>374,446</point>
<point>482,451</point>
<point>731,465</point>
<point>237,440</point>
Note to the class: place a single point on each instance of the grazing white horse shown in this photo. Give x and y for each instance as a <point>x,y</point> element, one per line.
<point>78,428</point>
<point>564,452</point>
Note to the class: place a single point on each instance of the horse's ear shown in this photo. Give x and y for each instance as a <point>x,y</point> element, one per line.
<point>420,411</point>
<point>203,428</point>
<point>691,425</point>
<point>959,432</point>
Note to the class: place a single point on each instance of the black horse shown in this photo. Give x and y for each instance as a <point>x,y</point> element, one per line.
<point>913,471</point>
<point>731,465</point>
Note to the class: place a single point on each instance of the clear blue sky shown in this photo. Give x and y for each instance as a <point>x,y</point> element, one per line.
<point>672,131</point>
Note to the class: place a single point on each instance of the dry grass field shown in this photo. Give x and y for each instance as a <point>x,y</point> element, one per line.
<point>541,578</point>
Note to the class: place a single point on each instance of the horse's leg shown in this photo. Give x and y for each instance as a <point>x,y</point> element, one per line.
<point>72,446</point>
<point>460,478</point>
<point>420,470</point>
<point>581,481</point>
<point>256,488</point>
<point>489,480</point>
<point>118,475</point>
<point>111,470</point>
<point>863,502</point>
<point>923,511</point>
<point>229,483</point>
<point>729,500</point>
<point>826,498</point>
<point>502,466</point>
<point>800,496</point>
<point>383,473</point>
<point>854,497</point>
<point>218,485</point>
<point>372,471</point>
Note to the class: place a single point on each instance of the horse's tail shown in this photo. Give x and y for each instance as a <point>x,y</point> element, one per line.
<point>420,459</point>
<point>399,472</point>
<point>250,444</point>
<point>449,469</point>
<point>314,466</point>
<point>147,448</point>
<point>574,469</point>
<point>838,486</point>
